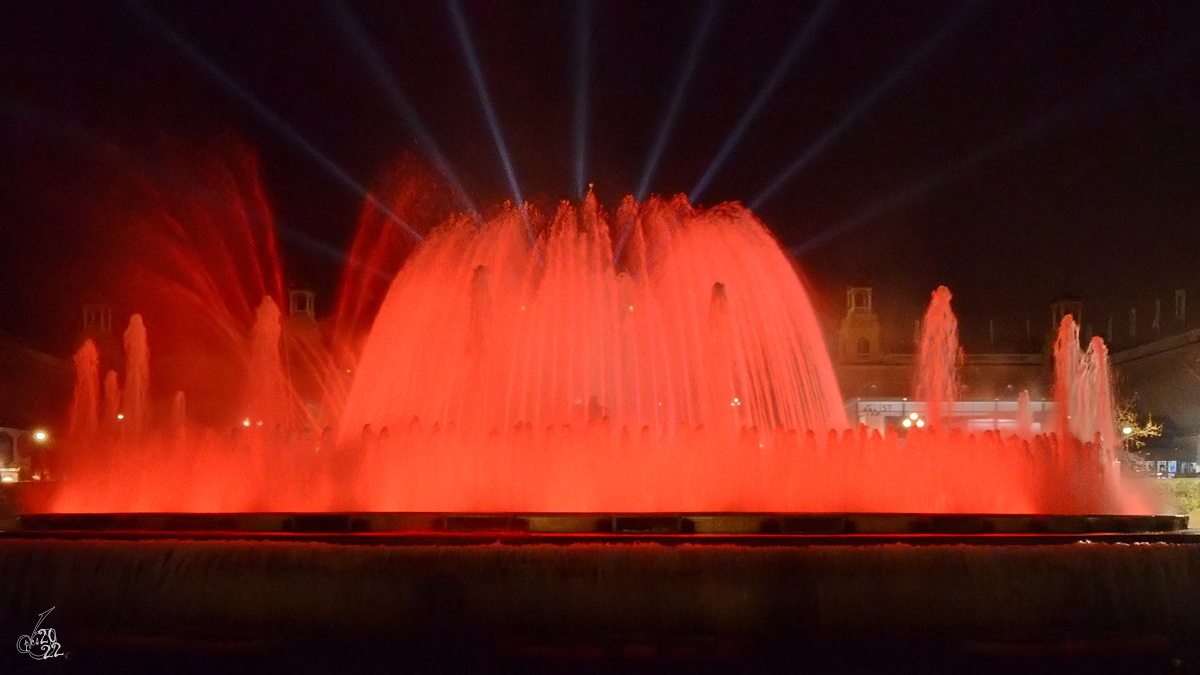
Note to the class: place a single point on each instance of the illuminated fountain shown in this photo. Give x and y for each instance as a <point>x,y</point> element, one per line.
<point>526,363</point>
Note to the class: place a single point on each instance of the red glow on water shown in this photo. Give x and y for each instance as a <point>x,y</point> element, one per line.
<point>504,376</point>
<point>194,252</point>
<point>409,199</point>
<point>588,470</point>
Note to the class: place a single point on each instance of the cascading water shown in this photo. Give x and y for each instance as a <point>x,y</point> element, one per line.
<point>478,334</point>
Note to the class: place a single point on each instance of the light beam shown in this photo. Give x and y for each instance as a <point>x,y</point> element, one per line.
<point>932,180</point>
<point>583,32</point>
<point>197,58</point>
<point>1105,91</point>
<point>364,49</point>
<point>802,39</point>
<point>332,253</point>
<point>685,76</point>
<point>866,102</point>
<point>469,55</point>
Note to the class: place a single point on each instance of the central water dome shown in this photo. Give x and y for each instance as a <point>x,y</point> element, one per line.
<point>689,326</point>
<point>698,321</point>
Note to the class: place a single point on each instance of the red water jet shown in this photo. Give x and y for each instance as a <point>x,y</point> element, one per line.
<point>939,358</point>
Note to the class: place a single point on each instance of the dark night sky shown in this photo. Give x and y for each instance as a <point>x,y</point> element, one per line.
<point>1040,149</point>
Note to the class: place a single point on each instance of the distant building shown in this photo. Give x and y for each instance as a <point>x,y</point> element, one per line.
<point>859,338</point>
<point>302,304</point>
<point>1161,379</point>
<point>97,326</point>
<point>308,365</point>
<point>1155,351</point>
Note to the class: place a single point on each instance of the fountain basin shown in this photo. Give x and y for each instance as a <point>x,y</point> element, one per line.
<point>380,597</point>
<point>703,525</point>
